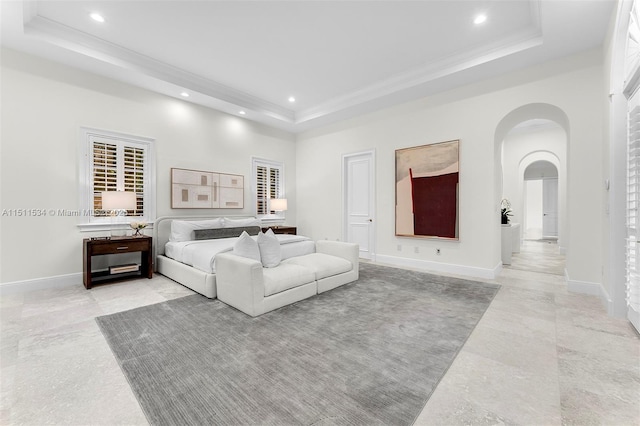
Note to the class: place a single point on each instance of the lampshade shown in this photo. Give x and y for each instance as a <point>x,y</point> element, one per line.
<point>278,204</point>
<point>118,200</point>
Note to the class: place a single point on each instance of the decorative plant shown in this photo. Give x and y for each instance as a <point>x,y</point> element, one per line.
<point>506,211</point>
<point>138,226</point>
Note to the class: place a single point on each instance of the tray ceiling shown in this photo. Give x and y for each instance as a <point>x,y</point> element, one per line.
<point>337,58</point>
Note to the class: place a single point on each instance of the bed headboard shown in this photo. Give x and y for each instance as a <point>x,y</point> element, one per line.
<point>162,229</point>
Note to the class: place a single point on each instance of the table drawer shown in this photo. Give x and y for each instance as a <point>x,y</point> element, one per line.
<point>122,247</point>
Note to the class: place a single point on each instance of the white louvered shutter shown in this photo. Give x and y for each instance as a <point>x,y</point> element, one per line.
<point>268,184</point>
<point>105,172</point>
<point>274,183</point>
<point>262,189</point>
<point>133,175</point>
<point>118,166</point>
<point>632,84</point>
<point>633,199</point>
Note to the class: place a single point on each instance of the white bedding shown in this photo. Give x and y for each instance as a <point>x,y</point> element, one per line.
<point>201,254</point>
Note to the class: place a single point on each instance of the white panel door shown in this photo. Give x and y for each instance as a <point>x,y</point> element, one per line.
<point>550,207</point>
<point>359,201</point>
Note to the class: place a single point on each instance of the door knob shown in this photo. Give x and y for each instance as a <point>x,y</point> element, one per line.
<point>370,220</point>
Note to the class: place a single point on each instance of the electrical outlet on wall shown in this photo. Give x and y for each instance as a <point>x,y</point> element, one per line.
<point>416,249</point>
<point>399,247</point>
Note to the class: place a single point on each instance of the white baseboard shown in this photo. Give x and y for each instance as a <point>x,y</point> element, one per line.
<point>497,269</point>
<point>634,318</point>
<point>470,271</point>
<point>594,289</point>
<point>41,284</point>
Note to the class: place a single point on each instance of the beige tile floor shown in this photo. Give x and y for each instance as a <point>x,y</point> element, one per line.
<point>539,256</point>
<point>539,356</point>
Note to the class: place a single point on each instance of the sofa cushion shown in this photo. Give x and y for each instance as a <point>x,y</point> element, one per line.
<point>270,252</point>
<point>323,265</point>
<point>246,246</point>
<point>284,277</point>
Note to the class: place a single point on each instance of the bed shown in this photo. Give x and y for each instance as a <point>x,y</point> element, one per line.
<point>185,247</point>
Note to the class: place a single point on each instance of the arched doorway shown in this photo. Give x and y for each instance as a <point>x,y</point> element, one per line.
<point>540,208</point>
<point>545,165</point>
<point>534,139</point>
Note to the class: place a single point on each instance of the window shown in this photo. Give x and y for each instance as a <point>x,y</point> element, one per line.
<point>633,203</point>
<point>115,162</point>
<point>268,182</point>
<point>633,198</point>
<point>632,91</point>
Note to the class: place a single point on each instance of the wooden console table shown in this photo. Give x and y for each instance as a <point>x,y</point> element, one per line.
<point>115,245</point>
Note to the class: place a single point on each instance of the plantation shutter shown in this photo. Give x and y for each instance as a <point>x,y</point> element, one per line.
<point>274,184</point>
<point>105,172</point>
<point>134,176</point>
<point>633,199</point>
<point>262,190</point>
<point>268,184</point>
<point>118,166</point>
<point>632,84</point>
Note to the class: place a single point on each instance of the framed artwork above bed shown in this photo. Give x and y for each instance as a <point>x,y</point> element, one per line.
<point>197,189</point>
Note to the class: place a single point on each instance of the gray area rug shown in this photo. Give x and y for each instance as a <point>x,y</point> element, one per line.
<point>370,352</point>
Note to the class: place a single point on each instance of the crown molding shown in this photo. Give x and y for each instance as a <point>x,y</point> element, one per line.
<point>525,39</point>
<point>213,94</point>
<point>416,77</point>
<point>85,44</point>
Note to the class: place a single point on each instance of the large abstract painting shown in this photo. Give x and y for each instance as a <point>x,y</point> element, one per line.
<point>195,189</point>
<point>427,190</point>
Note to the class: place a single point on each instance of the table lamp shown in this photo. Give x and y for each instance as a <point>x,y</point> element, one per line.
<point>117,203</point>
<point>278,204</point>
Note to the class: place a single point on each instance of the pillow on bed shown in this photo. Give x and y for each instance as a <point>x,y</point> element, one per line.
<point>214,234</point>
<point>270,252</point>
<point>182,230</point>
<point>236,223</point>
<point>246,247</point>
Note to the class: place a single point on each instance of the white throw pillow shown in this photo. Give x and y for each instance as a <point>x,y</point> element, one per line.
<point>246,247</point>
<point>182,230</point>
<point>238,223</point>
<point>270,252</point>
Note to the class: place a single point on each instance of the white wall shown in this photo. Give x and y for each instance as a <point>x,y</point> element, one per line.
<point>43,106</point>
<point>614,161</point>
<point>523,148</point>
<point>470,114</point>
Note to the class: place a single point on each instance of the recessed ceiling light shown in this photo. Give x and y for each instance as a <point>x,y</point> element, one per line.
<point>184,94</point>
<point>97,17</point>
<point>292,99</point>
<point>242,113</point>
<point>480,19</point>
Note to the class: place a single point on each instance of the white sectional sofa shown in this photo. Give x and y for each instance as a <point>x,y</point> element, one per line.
<point>253,289</point>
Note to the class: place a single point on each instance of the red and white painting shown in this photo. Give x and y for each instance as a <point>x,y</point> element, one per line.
<point>427,179</point>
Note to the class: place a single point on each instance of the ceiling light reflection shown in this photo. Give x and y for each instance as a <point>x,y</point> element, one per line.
<point>97,17</point>
<point>480,19</point>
